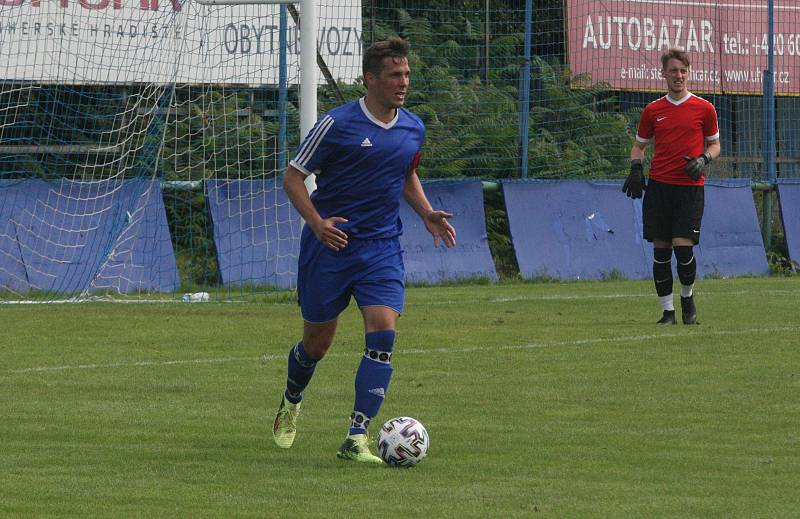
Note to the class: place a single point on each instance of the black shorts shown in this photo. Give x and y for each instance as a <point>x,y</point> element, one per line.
<point>672,211</point>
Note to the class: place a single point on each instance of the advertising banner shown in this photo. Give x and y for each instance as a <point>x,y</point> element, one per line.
<point>152,41</point>
<point>620,42</point>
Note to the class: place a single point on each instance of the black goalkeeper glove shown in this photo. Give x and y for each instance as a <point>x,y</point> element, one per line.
<point>695,165</point>
<point>634,184</point>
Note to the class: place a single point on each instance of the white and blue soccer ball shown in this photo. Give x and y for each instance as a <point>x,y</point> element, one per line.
<point>403,442</point>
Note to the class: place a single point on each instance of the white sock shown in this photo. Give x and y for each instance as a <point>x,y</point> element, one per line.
<point>687,290</point>
<point>666,303</point>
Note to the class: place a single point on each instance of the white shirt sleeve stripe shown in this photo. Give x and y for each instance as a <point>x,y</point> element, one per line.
<point>299,168</point>
<point>311,143</point>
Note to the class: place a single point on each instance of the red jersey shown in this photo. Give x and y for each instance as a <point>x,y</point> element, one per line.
<point>679,128</point>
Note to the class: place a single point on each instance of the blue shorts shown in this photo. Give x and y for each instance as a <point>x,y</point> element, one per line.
<point>370,270</point>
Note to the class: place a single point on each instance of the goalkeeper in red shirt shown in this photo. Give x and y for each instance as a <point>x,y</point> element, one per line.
<point>683,129</point>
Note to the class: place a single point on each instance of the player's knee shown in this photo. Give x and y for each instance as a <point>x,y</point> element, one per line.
<point>317,347</point>
<point>379,346</point>
<point>684,254</point>
<point>662,255</point>
<point>318,338</point>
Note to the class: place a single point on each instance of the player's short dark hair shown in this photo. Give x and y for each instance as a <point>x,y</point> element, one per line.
<point>674,53</point>
<point>390,48</point>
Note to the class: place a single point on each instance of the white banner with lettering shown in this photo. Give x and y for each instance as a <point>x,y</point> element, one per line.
<point>152,41</point>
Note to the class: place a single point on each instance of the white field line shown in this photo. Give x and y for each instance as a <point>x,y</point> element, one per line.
<point>571,297</point>
<point>410,351</point>
<point>138,364</point>
<point>473,300</point>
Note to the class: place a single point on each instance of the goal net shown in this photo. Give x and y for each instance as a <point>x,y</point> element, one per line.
<point>142,144</point>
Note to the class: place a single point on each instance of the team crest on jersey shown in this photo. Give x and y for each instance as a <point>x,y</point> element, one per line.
<point>366,143</point>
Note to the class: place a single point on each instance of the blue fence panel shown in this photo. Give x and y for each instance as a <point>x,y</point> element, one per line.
<point>256,232</point>
<point>576,229</point>
<point>789,196</point>
<point>470,258</point>
<point>730,241</point>
<point>75,237</point>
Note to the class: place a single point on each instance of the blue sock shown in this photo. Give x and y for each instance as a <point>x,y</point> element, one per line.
<point>372,379</point>
<point>301,369</point>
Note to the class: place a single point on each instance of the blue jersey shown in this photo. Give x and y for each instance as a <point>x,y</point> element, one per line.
<point>361,164</point>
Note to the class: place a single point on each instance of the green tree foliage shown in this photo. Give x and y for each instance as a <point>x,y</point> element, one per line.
<point>576,133</point>
<point>472,112</point>
<point>221,136</point>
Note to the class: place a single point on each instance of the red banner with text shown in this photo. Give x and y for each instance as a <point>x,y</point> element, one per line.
<point>620,42</point>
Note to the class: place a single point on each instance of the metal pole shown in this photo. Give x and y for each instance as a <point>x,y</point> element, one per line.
<point>769,151</point>
<point>308,73</point>
<point>525,94</point>
<point>371,22</point>
<point>486,45</point>
<point>283,88</point>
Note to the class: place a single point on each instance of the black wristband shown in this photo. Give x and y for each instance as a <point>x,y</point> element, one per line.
<point>636,166</point>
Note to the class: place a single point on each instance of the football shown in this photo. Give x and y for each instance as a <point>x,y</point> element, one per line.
<point>403,442</point>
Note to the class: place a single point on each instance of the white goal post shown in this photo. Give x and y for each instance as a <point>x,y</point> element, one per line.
<point>308,61</point>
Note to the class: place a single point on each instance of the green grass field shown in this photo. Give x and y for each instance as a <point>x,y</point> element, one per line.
<point>541,400</point>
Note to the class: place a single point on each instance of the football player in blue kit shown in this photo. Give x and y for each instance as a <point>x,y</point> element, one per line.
<point>365,156</point>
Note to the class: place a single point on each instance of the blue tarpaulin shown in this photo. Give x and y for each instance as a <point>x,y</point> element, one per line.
<point>576,229</point>
<point>789,196</point>
<point>470,258</point>
<point>730,240</point>
<point>256,232</point>
<point>84,237</point>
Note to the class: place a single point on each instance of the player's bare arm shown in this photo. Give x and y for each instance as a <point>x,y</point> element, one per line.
<point>637,150</point>
<point>436,221</point>
<point>713,149</point>
<point>324,228</point>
